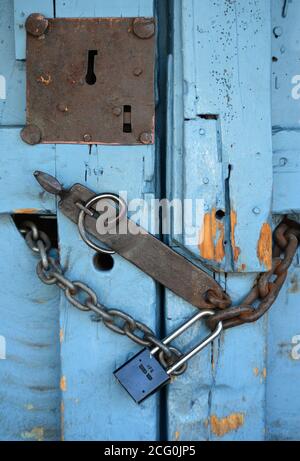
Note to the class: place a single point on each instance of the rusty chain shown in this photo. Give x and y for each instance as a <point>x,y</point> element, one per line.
<point>50,272</point>
<point>254,306</point>
<point>268,284</point>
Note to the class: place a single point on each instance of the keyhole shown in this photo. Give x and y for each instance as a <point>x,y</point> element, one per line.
<point>90,75</point>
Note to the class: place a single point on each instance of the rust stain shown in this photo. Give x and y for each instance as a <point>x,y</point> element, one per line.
<point>61,335</point>
<point>63,383</point>
<point>233,221</point>
<point>256,371</point>
<point>264,246</point>
<point>45,80</point>
<point>264,373</point>
<point>210,228</point>
<point>177,435</point>
<point>221,426</point>
<point>37,434</point>
<point>26,211</point>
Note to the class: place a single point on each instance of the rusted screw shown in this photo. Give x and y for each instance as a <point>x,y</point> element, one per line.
<point>137,71</point>
<point>87,137</point>
<point>62,107</point>
<point>117,111</point>
<point>31,134</point>
<point>36,24</point>
<point>146,138</point>
<point>144,27</point>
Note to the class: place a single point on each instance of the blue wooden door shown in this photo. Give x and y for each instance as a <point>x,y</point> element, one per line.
<point>227,127</point>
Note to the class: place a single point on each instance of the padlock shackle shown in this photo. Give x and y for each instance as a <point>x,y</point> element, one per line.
<point>186,357</point>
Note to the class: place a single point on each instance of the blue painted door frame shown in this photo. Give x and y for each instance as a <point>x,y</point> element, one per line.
<point>227,72</point>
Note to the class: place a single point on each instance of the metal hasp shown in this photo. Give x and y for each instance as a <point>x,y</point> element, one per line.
<point>90,80</point>
<point>138,246</point>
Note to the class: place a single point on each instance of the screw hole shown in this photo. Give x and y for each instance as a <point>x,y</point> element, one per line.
<point>103,262</point>
<point>220,214</point>
<point>274,59</point>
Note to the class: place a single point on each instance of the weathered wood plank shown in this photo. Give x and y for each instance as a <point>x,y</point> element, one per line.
<point>233,40</point>
<point>12,72</point>
<point>95,407</point>
<point>29,375</point>
<point>88,383</point>
<point>215,84</point>
<point>20,192</point>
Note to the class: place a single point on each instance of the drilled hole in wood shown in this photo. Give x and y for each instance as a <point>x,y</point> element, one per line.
<point>103,262</point>
<point>90,75</point>
<point>220,214</point>
<point>127,128</point>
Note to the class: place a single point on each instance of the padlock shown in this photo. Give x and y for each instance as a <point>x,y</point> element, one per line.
<point>143,374</point>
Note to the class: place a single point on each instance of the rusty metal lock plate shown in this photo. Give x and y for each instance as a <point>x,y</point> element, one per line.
<point>90,80</point>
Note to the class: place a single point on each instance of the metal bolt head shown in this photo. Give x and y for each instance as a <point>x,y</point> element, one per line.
<point>62,107</point>
<point>117,111</point>
<point>202,131</point>
<point>31,134</point>
<point>144,27</point>
<point>146,138</point>
<point>137,71</point>
<point>87,137</point>
<point>205,180</point>
<point>36,24</point>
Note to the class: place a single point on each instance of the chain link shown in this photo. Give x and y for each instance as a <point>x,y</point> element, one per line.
<point>85,299</point>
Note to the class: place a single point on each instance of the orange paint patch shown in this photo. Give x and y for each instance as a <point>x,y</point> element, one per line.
<point>26,211</point>
<point>61,335</point>
<point>221,426</point>
<point>63,383</point>
<point>235,250</point>
<point>264,246</point>
<point>212,228</point>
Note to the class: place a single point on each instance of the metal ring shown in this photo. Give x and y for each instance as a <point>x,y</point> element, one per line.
<point>81,219</point>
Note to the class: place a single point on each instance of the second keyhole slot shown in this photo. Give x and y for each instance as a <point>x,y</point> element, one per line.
<point>127,128</point>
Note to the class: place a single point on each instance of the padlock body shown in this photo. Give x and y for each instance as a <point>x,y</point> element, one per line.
<point>142,375</point>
